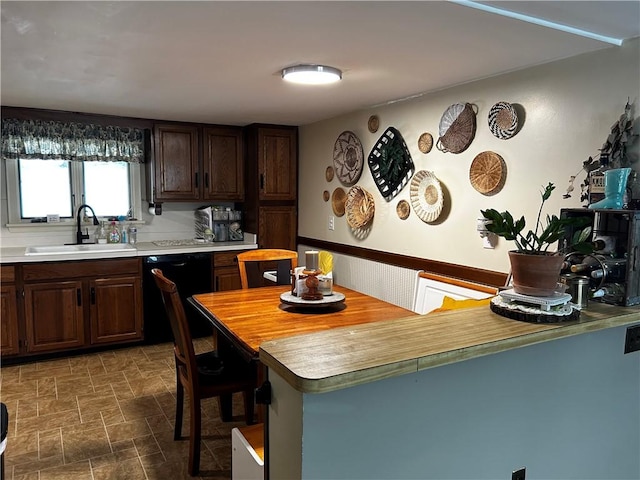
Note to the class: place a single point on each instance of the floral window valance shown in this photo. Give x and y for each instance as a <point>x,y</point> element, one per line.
<point>48,140</point>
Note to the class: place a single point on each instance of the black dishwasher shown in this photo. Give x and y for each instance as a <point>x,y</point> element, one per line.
<point>192,273</point>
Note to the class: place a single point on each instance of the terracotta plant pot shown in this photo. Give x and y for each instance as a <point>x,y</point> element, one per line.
<point>535,275</point>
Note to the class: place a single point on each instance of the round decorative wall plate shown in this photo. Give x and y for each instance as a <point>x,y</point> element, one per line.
<point>373,124</point>
<point>425,142</point>
<point>503,120</point>
<point>326,195</point>
<point>427,199</point>
<point>328,173</point>
<point>348,158</point>
<point>338,198</point>
<point>403,209</point>
<point>390,163</point>
<point>457,128</point>
<point>488,173</point>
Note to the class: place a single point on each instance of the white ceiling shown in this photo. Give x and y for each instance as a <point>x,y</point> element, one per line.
<point>220,62</point>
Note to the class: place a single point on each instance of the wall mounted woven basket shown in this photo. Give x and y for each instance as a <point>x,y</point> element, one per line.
<point>457,128</point>
<point>359,207</point>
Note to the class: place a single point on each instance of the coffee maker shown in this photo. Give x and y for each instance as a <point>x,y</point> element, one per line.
<point>613,269</point>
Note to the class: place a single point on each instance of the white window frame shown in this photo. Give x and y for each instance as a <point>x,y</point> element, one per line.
<point>13,194</point>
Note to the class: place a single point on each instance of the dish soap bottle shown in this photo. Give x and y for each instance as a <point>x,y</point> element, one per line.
<point>101,233</point>
<point>114,233</point>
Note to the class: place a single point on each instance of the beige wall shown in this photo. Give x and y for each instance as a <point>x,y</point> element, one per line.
<point>570,106</point>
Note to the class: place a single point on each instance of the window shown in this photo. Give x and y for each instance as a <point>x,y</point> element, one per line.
<point>36,188</point>
<point>54,167</point>
<point>47,186</point>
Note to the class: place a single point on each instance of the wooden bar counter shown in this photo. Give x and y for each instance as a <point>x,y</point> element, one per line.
<point>464,394</point>
<point>344,357</point>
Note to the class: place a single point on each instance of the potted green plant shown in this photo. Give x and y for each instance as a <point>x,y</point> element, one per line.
<point>535,268</point>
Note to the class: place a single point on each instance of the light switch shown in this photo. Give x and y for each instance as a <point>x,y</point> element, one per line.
<point>332,224</point>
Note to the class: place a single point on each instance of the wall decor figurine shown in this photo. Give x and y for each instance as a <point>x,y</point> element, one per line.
<point>614,153</point>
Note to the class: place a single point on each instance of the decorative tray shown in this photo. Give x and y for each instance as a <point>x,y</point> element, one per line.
<point>390,163</point>
<point>326,301</point>
<point>531,314</point>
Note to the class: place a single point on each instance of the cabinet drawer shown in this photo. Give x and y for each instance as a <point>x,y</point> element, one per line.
<point>225,259</point>
<point>79,269</point>
<point>7,274</point>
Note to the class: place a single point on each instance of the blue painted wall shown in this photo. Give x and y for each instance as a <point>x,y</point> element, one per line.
<point>567,409</point>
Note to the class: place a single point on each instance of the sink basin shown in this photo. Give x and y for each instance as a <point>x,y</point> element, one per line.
<point>79,249</point>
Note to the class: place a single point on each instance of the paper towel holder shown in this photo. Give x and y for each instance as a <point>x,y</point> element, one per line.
<point>155,208</point>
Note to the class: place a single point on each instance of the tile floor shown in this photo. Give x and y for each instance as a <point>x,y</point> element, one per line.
<point>106,416</point>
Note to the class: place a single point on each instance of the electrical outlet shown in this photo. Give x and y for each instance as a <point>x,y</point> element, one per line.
<point>518,474</point>
<point>332,222</point>
<point>632,340</point>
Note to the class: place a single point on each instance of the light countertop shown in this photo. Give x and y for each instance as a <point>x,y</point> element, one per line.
<point>344,357</point>
<point>142,249</point>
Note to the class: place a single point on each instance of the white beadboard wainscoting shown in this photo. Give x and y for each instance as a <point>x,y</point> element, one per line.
<point>387,282</point>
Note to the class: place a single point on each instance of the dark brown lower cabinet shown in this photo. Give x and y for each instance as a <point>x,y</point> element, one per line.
<point>116,314</point>
<point>78,304</point>
<point>54,317</point>
<point>9,336</point>
<point>225,271</point>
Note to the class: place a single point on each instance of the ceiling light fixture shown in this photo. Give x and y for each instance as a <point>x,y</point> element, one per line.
<point>311,74</point>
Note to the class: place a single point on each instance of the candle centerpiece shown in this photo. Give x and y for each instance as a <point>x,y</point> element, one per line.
<point>311,271</point>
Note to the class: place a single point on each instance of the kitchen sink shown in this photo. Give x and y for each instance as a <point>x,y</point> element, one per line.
<point>81,248</point>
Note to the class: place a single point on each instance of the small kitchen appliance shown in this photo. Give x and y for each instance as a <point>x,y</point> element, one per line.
<point>615,264</point>
<point>223,222</point>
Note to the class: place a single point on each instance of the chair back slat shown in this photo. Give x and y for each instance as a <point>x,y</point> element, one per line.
<point>250,262</point>
<point>185,353</point>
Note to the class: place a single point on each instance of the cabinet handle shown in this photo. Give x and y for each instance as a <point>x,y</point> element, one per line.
<point>93,296</point>
<point>206,180</point>
<point>262,181</point>
<point>79,296</point>
<point>196,179</point>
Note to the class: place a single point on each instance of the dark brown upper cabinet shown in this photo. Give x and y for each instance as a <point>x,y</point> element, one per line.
<point>195,163</point>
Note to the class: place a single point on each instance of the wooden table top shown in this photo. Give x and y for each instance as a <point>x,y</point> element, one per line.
<point>250,317</point>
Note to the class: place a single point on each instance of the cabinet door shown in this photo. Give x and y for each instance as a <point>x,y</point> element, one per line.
<point>176,167</point>
<point>9,321</point>
<point>116,309</point>
<point>223,164</point>
<point>227,278</point>
<point>277,166</point>
<point>53,316</point>
<point>277,227</point>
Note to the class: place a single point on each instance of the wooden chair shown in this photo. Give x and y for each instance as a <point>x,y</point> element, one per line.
<point>250,261</point>
<point>204,375</point>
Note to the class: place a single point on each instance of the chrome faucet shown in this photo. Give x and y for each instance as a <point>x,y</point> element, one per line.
<point>84,236</point>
